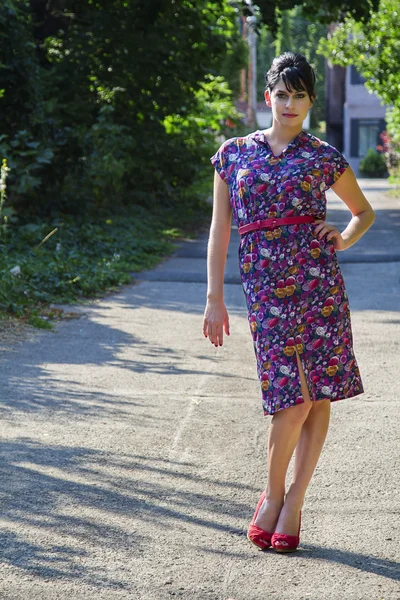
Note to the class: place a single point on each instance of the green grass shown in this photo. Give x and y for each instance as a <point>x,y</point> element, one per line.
<point>67,260</point>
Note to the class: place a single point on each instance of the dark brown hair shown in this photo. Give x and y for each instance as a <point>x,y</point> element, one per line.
<point>296,72</point>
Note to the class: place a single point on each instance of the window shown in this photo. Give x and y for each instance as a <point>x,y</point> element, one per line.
<point>368,132</point>
<point>355,77</point>
<point>364,135</point>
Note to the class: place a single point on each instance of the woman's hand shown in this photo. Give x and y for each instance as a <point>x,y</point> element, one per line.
<point>216,320</point>
<point>325,229</point>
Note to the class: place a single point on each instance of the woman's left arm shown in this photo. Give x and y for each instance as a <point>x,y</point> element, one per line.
<point>347,188</point>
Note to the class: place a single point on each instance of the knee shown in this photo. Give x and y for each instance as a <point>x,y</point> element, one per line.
<point>321,406</point>
<point>302,411</point>
<point>299,413</point>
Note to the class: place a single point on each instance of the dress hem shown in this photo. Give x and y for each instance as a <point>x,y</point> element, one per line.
<point>353,395</point>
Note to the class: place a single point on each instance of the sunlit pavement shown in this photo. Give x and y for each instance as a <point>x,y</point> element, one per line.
<point>134,452</point>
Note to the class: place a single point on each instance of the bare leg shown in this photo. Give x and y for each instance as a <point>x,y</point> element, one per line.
<point>309,447</point>
<point>307,453</point>
<point>284,433</point>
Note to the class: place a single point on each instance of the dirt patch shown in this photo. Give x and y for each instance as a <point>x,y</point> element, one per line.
<point>13,331</point>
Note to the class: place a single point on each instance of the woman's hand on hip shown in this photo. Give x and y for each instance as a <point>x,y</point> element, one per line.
<point>216,321</point>
<point>331,233</point>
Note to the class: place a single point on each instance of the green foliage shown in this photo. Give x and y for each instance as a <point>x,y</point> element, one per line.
<point>373,48</point>
<point>83,258</point>
<point>317,11</point>
<point>19,69</point>
<point>390,148</point>
<point>236,59</point>
<point>39,321</point>
<point>110,102</point>
<point>88,129</point>
<point>106,103</point>
<point>3,185</point>
<point>208,117</point>
<point>373,164</point>
<point>393,126</point>
<point>26,157</point>
<point>103,170</point>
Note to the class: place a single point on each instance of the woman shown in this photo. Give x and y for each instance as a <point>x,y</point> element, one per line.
<point>274,182</point>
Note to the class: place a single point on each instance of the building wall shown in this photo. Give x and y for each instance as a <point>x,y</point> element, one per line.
<point>363,114</point>
<point>335,99</point>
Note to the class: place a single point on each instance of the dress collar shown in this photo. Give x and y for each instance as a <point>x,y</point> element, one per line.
<point>260,137</point>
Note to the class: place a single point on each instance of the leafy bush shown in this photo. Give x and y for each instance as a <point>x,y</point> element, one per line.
<point>391,143</point>
<point>66,259</point>
<point>26,157</point>
<point>97,117</point>
<point>373,164</point>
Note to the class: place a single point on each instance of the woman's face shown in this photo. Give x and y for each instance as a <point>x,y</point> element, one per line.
<point>285,104</point>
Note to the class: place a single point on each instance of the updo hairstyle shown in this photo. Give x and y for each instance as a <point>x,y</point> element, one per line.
<point>296,72</point>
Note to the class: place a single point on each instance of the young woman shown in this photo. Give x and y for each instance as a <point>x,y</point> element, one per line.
<point>274,182</point>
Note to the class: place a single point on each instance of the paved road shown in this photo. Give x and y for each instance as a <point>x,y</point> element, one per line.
<point>134,452</point>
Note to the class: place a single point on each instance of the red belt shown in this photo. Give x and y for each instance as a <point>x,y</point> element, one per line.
<point>272,223</point>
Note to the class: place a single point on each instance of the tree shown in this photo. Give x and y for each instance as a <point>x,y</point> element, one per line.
<point>318,11</point>
<point>19,69</point>
<point>105,80</point>
<point>103,101</point>
<point>373,48</point>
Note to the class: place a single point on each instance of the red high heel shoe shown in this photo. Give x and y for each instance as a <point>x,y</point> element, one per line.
<point>255,534</point>
<point>286,543</point>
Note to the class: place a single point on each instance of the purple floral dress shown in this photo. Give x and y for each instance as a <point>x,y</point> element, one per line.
<point>296,297</point>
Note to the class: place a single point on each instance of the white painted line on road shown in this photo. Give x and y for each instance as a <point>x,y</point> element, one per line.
<point>174,453</point>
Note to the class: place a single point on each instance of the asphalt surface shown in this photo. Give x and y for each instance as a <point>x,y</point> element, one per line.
<point>133,452</point>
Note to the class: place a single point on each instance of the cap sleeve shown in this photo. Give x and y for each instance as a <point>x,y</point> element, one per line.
<point>225,159</point>
<point>335,165</point>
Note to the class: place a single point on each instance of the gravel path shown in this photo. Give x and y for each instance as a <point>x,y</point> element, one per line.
<point>134,452</point>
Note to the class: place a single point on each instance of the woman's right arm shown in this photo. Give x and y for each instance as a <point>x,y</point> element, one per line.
<point>216,318</point>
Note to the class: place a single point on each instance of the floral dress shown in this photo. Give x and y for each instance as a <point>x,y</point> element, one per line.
<point>295,293</point>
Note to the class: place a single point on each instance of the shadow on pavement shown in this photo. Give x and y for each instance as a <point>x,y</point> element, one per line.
<point>367,563</point>
<point>35,477</point>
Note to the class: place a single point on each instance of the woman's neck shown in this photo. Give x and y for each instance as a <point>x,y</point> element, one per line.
<point>279,135</point>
